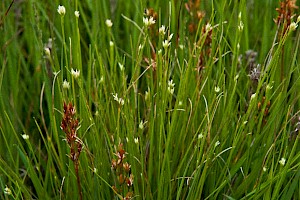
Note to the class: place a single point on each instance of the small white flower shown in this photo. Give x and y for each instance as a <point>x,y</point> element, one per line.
<point>108,23</point>
<point>282,161</point>
<point>252,96</point>
<point>293,26</point>
<point>148,21</point>
<point>171,86</point>
<point>117,99</point>
<point>101,79</point>
<point>66,84</point>
<point>200,136</point>
<point>121,66</point>
<point>159,52</point>
<point>241,26</point>
<point>7,190</point>
<point>217,89</point>
<point>140,47</point>
<point>61,10</point>
<point>47,52</point>
<point>25,136</point>
<point>147,94</point>
<point>170,83</point>
<point>75,73</point>
<point>95,170</point>
<point>265,169</point>
<point>240,16</point>
<point>166,43</point>
<point>141,125</point>
<point>111,43</point>
<point>77,13</point>
<point>180,103</point>
<point>136,140</point>
<point>208,27</point>
<point>217,143</point>
<point>236,77</point>
<point>162,30</point>
<point>170,37</point>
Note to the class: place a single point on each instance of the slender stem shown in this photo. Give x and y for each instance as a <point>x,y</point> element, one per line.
<point>76,166</point>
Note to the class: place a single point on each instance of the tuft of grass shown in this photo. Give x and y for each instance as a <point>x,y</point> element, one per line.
<point>174,100</point>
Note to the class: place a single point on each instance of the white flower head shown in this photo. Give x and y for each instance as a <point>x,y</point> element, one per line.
<point>148,21</point>
<point>293,26</point>
<point>111,43</point>
<point>117,99</point>
<point>136,140</point>
<point>121,66</point>
<point>180,103</point>
<point>166,43</point>
<point>217,143</point>
<point>217,89</point>
<point>61,10</point>
<point>140,47</point>
<point>141,125</point>
<point>95,170</point>
<point>147,94</point>
<point>66,84</point>
<point>265,169</point>
<point>252,96</point>
<point>208,27</point>
<point>171,86</point>
<point>101,79</point>
<point>241,26</point>
<point>170,83</point>
<point>7,190</point>
<point>108,23</point>
<point>200,136</point>
<point>25,136</point>
<point>240,15</point>
<point>75,73</point>
<point>77,13</point>
<point>282,161</point>
<point>162,30</point>
<point>47,52</point>
<point>170,37</point>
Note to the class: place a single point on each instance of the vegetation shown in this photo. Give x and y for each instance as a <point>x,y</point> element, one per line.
<point>179,99</point>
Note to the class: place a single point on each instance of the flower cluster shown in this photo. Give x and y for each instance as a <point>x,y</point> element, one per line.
<point>166,43</point>
<point>171,86</point>
<point>285,15</point>
<point>61,10</point>
<point>70,125</point>
<point>117,99</point>
<point>123,173</point>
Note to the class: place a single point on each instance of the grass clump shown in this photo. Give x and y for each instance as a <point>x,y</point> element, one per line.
<point>166,100</point>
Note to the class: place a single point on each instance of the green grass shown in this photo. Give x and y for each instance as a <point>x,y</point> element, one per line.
<point>218,135</point>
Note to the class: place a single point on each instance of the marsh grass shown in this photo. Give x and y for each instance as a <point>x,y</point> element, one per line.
<point>212,115</point>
